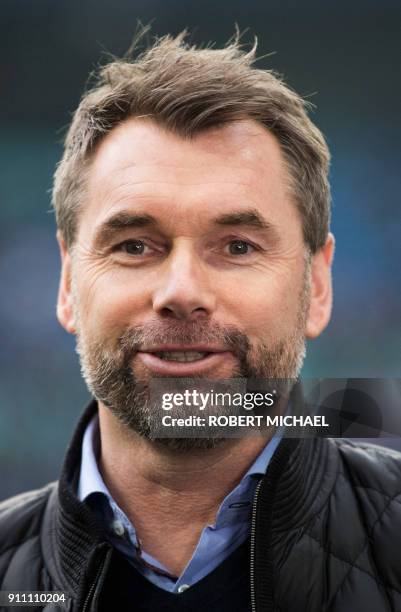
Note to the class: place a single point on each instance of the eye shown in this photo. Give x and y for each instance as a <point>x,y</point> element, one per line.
<point>132,247</point>
<point>240,247</point>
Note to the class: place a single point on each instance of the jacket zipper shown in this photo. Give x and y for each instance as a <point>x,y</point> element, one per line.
<point>253,539</point>
<point>93,585</point>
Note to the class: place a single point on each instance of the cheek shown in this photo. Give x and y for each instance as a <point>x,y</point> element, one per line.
<point>266,308</point>
<point>110,303</point>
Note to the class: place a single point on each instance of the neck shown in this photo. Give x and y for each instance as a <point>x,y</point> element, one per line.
<point>170,496</point>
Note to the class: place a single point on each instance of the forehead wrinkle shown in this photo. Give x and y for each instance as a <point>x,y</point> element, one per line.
<point>136,172</point>
<point>133,188</point>
<point>218,192</point>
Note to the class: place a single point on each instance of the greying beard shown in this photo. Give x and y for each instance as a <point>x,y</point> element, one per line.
<point>110,377</point>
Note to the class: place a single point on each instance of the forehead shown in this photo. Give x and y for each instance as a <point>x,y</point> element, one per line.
<point>139,142</point>
<point>141,164</point>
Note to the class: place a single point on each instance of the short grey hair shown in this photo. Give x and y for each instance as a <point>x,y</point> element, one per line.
<point>188,89</point>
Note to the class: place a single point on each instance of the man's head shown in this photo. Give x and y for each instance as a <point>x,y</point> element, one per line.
<point>193,211</point>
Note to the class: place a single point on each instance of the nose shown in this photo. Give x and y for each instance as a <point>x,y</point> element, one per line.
<point>184,290</point>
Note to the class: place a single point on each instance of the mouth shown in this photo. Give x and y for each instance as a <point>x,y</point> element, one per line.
<point>183,361</point>
<point>182,356</point>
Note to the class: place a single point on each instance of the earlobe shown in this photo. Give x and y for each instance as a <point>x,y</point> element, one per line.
<point>321,290</point>
<point>65,310</point>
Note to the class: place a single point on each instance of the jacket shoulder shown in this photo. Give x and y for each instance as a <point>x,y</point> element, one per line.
<point>21,516</point>
<point>371,467</point>
<point>365,517</point>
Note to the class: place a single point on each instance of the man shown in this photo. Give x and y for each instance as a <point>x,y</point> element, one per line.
<point>193,209</point>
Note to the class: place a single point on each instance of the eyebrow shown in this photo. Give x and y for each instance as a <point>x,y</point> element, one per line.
<point>119,222</point>
<point>124,220</point>
<point>250,218</point>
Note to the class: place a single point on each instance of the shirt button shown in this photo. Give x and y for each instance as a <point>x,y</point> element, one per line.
<point>118,528</point>
<point>183,588</point>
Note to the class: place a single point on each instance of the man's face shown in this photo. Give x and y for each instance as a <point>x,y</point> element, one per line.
<point>189,261</point>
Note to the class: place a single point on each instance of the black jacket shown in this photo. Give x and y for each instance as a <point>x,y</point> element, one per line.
<point>326,532</point>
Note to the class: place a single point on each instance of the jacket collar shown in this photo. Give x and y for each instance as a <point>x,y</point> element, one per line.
<point>73,538</point>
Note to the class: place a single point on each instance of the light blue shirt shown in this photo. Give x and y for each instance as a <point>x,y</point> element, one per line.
<point>216,542</point>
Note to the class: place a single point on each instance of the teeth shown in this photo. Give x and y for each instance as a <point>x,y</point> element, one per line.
<point>181,355</point>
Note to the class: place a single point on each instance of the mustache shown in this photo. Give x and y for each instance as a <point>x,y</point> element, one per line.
<point>173,332</point>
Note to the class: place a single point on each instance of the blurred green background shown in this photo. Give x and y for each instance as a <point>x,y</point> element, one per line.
<point>343,56</point>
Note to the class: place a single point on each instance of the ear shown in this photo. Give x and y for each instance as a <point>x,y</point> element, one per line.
<point>321,290</point>
<point>65,311</point>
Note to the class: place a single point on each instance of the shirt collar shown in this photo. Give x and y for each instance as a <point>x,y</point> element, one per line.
<point>234,508</point>
<point>91,481</point>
